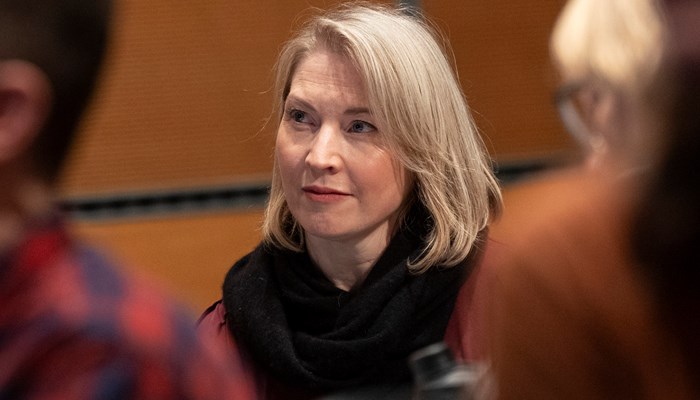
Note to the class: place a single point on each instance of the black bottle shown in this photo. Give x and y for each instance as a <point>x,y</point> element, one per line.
<point>438,376</point>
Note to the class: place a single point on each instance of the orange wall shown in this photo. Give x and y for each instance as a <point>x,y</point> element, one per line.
<point>184,95</point>
<point>502,56</point>
<point>189,253</point>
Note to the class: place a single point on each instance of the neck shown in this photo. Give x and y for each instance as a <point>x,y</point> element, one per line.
<point>22,200</point>
<point>347,263</point>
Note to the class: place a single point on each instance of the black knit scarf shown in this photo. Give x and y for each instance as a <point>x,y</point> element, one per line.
<point>295,324</point>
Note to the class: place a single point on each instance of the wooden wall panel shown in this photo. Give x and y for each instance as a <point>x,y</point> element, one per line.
<point>184,96</point>
<point>189,253</point>
<point>502,56</point>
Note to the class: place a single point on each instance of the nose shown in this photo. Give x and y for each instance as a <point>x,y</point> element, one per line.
<point>325,151</point>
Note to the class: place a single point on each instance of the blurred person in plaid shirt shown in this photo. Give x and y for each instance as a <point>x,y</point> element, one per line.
<point>71,325</point>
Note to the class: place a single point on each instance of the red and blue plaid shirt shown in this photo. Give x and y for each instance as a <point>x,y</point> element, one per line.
<point>74,327</point>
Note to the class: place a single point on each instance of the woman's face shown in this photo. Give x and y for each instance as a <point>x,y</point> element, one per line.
<point>339,180</point>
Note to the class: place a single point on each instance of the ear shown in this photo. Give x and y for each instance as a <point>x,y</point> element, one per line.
<point>25,101</point>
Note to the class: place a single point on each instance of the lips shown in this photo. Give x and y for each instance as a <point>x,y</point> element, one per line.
<point>323,194</point>
<point>321,190</point>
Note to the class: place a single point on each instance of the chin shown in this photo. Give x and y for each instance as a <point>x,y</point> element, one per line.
<point>325,233</point>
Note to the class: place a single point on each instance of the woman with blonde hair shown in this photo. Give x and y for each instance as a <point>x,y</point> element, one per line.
<point>381,195</point>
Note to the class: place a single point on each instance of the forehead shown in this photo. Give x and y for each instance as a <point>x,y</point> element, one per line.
<point>326,68</point>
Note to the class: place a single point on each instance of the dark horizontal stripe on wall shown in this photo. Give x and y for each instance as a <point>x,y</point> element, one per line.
<point>157,203</point>
<point>511,172</point>
<point>167,201</point>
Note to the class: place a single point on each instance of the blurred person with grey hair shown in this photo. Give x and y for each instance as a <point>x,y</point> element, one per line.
<point>606,53</point>
<point>572,313</point>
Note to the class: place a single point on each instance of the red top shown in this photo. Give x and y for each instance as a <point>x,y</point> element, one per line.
<point>73,327</point>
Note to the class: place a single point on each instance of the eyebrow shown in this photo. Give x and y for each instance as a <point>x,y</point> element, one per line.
<point>357,110</point>
<point>349,111</point>
<point>303,103</point>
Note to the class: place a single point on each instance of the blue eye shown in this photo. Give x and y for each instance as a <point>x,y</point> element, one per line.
<point>362,127</point>
<point>297,115</point>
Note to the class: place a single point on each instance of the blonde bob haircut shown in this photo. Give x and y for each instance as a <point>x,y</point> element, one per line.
<point>421,114</point>
<point>619,42</point>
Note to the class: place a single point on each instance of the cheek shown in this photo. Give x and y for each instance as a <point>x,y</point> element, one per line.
<point>282,149</point>
<point>389,178</point>
<point>287,159</point>
<point>402,178</point>
<point>401,184</point>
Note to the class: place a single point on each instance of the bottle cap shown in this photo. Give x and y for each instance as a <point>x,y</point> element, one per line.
<point>432,362</point>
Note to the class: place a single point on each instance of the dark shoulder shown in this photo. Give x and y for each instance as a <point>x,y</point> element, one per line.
<point>93,326</point>
<point>132,310</point>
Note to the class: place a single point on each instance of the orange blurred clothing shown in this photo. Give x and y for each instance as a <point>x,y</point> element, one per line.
<point>570,315</point>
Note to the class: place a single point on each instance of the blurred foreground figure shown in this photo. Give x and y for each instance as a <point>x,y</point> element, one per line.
<point>607,52</point>
<point>72,326</point>
<point>668,223</point>
<point>573,316</point>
